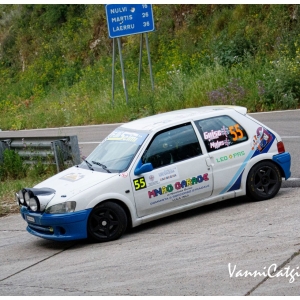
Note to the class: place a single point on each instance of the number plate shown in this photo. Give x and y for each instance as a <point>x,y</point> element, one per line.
<point>30,219</point>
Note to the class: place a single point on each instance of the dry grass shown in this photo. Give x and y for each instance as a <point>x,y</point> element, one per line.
<point>8,206</point>
<point>8,188</point>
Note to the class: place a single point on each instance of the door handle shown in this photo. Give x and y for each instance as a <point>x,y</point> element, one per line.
<point>208,161</point>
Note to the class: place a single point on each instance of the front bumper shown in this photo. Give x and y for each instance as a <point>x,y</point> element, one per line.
<point>57,227</point>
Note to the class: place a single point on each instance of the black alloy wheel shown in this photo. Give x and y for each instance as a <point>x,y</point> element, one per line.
<point>264,181</point>
<point>107,222</point>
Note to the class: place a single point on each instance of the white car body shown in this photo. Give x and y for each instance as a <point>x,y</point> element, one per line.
<point>215,166</point>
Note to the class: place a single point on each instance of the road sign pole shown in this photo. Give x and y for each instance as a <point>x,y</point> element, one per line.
<point>140,62</point>
<point>149,60</point>
<point>113,70</point>
<point>127,19</point>
<point>122,67</point>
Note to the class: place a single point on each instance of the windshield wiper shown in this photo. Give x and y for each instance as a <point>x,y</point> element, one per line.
<point>101,165</point>
<point>88,164</point>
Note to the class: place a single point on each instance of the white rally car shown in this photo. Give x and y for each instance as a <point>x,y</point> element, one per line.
<point>158,166</point>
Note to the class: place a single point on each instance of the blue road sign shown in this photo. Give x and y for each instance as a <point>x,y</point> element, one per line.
<point>127,19</point>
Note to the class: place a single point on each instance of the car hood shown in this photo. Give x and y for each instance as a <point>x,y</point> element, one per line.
<point>73,181</point>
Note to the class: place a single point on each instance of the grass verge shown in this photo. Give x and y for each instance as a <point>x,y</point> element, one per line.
<point>8,189</point>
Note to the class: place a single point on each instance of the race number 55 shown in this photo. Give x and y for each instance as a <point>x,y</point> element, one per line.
<point>139,183</point>
<point>236,132</point>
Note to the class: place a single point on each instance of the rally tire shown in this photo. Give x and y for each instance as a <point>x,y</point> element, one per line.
<point>264,181</point>
<point>107,222</point>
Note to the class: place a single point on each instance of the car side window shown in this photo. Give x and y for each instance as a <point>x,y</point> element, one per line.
<point>172,145</point>
<point>221,132</point>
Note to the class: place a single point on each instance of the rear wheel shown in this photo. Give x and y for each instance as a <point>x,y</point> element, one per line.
<point>107,222</point>
<point>264,181</point>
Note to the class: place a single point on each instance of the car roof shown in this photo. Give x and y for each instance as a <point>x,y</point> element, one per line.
<point>159,121</point>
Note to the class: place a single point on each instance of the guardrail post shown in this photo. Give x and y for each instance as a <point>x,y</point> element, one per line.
<point>3,146</point>
<point>73,142</point>
<point>60,153</point>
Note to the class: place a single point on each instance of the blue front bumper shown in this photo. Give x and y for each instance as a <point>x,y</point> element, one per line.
<point>57,227</point>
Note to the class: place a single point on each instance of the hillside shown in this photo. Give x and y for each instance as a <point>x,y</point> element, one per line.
<point>56,62</point>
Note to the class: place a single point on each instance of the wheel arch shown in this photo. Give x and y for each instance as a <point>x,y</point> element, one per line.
<point>126,203</point>
<point>280,168</point>
<point>259,195</point>
<point>269,160</point>
<point>124,207</point>
<point>253,162</point>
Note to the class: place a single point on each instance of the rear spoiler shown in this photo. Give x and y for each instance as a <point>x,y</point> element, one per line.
<point>240,109</point>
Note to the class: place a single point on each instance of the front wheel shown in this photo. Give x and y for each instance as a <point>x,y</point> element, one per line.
<point>107,222</point>
<point>264,181</point>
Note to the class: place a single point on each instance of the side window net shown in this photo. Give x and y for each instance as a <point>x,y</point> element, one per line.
<point>221,132</point>
<point>172,145</point>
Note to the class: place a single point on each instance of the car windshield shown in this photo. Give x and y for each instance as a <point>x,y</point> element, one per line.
<point>116,152</point>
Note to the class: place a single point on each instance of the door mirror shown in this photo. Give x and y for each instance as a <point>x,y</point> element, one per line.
<point>142,168</point>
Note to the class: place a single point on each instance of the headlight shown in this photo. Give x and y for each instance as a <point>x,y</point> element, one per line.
<point>27,197</point>
<point>33,204</point>
<point>17,198</point>
<point>62,208</point>
<point>21,198</point>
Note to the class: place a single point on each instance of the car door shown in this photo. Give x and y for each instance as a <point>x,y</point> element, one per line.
<point>180,174</point>
<point>228,146</point>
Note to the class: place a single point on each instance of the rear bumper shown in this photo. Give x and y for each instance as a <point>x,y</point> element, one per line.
<point>57,227</point>
<point>284,161</point>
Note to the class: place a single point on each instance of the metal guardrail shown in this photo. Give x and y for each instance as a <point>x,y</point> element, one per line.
<point>53,150</point>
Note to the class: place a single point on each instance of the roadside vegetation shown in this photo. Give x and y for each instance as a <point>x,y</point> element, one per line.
<point>56,65</point>
<point>15,174</point>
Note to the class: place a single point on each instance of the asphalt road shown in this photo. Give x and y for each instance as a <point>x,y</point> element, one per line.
<point>201,252</point>
<point>228,248</point>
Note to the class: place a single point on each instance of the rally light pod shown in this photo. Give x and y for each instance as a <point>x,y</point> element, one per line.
<point>35,199</point>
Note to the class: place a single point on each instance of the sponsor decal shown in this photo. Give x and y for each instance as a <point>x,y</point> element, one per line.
<point>219,138</point>
<point>133,137</point>
<point>124,175</point>
<point>261,139</point>
<point>178,186</point>
<point>161,176</point>
<point>72,177</point>
<point>230,156</point>
<point>179,195</point>
<point>218,144</point>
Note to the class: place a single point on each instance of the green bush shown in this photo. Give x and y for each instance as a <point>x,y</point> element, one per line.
<point>12,166</point>
<point>279,86</point>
